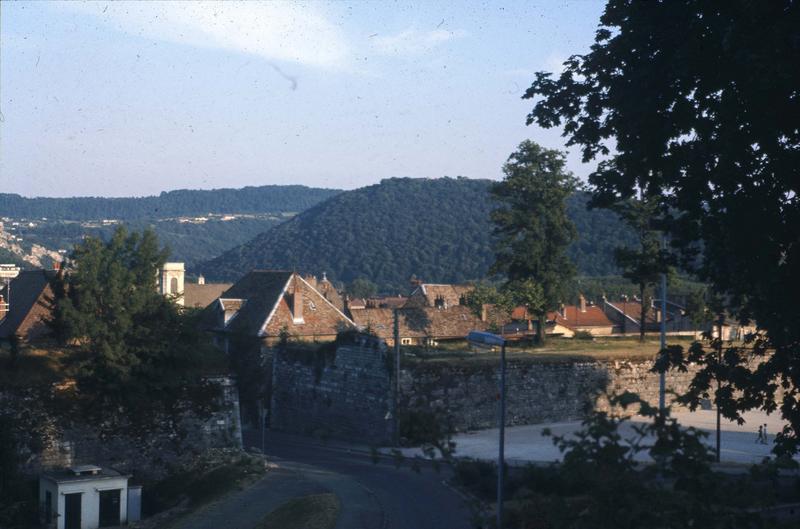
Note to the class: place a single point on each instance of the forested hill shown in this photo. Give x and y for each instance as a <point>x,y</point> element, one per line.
<point>263,199</point>
<point>437,229</point>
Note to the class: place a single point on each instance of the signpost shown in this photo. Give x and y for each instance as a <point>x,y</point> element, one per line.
<point>487,339</point>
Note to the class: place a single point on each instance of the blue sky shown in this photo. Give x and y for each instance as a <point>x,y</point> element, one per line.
<point>120,99</point>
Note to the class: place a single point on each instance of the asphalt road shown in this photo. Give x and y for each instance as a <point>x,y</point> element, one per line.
<point>373,496</point>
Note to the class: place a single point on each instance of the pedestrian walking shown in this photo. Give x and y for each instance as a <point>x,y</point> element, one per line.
<point>764,437</point>
<point>760,438</point>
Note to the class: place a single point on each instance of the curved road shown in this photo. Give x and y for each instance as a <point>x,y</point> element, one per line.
<point>373,496</point>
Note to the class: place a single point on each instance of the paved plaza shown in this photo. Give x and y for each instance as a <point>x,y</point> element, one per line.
<point>527,444</point>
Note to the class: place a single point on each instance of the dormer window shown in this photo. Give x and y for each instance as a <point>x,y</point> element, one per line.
<point>440,302</point>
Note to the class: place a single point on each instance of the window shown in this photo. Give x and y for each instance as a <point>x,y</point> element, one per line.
<point>405,341</point>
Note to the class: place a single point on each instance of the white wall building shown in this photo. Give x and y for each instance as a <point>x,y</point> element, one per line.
<point>172,281</point>
<point>84,497</point>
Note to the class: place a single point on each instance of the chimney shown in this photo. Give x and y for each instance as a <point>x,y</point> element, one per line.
<point>582,302</point>
<point>3,308</point>
<point>297,301</point>
<point>201,280</point>
<point>484,312</point>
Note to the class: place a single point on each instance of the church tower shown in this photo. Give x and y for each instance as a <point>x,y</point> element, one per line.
<point>172,275</point>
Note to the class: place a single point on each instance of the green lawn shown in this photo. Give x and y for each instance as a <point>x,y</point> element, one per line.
<point>318,511</point>
<point>556,349</point>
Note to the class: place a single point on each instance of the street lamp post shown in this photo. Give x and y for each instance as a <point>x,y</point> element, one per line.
<point>624,313</point>
<point>662,383</point>
<point>488,339</point>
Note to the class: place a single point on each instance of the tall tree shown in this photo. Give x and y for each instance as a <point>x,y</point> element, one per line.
<point>705,121</point>
<point>111,306</point>
<point>531,228</point>
<point>362,288</point>
<point>643,264</point>
<point>135,351</point>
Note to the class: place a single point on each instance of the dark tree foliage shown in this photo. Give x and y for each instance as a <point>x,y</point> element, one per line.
<point>643,263</point>
<point>438,229</point>
<point>270,199</point>
<point>697,104</point>
<point>602,483</point>
<point>531,228</point>
<point>500,299</point>
<point>137,356</point>
<point>362,288</point>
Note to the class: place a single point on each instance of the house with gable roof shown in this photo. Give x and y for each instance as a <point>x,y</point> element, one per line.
<point>268,304</point>
<point>250,318</point>
<point>439,296</point>
<point>26,305</point>
<point>584,317</point>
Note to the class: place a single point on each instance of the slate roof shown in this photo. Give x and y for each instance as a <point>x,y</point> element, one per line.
<point>26,289</point>
<point>262,301</point>
<point>262,290</point>
<point>419,322</point>
<point>198,296</point>
<point>231,304</point>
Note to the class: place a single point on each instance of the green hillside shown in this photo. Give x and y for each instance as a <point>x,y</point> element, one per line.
<point>437,229</point>
<point>263,199</point>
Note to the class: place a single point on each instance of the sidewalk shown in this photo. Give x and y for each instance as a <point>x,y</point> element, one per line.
<point>526,444</point>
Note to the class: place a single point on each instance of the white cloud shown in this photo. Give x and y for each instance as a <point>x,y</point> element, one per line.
<point>274,30</point>
<point>412,41</point>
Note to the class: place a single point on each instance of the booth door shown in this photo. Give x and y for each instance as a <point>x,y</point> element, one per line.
<point>109,508</point>
<point>72,511</point>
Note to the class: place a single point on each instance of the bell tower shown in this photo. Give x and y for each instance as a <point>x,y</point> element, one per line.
<point>172,276</point>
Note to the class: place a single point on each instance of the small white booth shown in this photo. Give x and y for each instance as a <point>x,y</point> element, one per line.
<point>84,497</point>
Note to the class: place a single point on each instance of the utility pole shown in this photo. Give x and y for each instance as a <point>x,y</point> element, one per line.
<point>662,383</point>
<point>396,400</point>
<point>487,339</point>
<point>262,415</point>
<point>501,452</point>
<point>716,397</point>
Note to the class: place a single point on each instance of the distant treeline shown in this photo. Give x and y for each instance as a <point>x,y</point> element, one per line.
<point>263,199</point>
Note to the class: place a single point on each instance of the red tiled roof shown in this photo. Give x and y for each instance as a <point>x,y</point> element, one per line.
<point>420,322</point>
<point>592,317</point>
<point>383,302</point>
<point>200,296</point>
<point>633,309</point>
<point>451,294</point>
<point>520,313</point>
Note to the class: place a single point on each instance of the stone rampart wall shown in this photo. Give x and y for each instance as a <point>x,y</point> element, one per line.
<point>341,392</point>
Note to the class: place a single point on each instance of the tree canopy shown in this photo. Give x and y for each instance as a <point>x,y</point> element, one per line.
<point>135,350</point>
<point>704,120</point>
<point>438,229</point>
<point>531,228</point>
